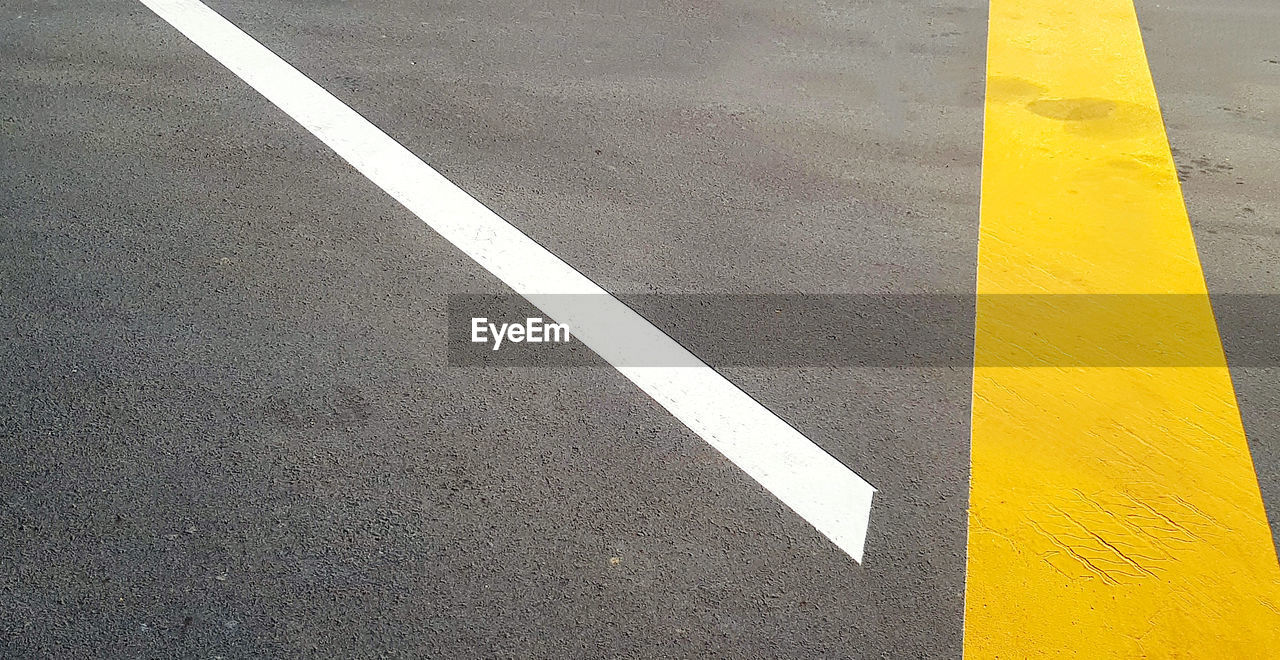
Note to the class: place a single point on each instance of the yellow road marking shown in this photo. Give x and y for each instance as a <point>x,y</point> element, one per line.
<point>1114,511</point>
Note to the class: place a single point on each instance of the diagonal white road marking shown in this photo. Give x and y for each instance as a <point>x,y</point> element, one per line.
<point>815,485</point>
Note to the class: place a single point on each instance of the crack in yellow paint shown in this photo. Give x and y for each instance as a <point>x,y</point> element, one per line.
<point>1114,510</point>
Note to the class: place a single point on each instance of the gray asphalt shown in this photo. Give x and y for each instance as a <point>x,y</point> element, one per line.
<point>229,427</point>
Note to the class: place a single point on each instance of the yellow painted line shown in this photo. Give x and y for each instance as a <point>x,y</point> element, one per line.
<point>1114,511</point>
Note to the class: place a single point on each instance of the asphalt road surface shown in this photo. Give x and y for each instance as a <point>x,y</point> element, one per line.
<point>228,424</point>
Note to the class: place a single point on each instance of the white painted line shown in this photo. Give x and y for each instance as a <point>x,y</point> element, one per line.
<point>804,477</point>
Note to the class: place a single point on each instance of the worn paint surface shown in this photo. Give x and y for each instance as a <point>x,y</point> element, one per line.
<point>1114,511</point>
